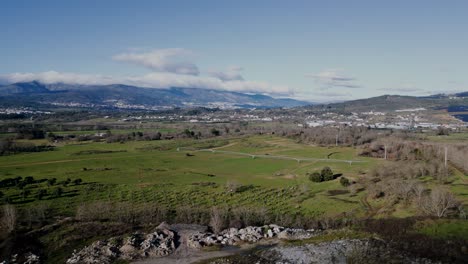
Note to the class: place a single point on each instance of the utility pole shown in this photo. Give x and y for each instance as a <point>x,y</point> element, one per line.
<point>338,135</point>
<point>385,155</point>
<point>446,156</point>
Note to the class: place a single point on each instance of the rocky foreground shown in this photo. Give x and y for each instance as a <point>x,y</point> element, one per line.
<point>268,244</point>
<point>163,241</point>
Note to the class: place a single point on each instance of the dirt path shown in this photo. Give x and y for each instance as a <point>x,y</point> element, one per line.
<point>226,146</point>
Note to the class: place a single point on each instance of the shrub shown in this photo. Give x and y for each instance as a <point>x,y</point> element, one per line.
<point>57,192</point>
<point>8,218</point>
<point>233,187</point>
<point>77,181</point>
<point>29,180</point>
<point>41,193</point>
<point>315,177</point>
<point>51,182</point>
<point>217,219</point>
<point>344,181</point>
<point>327,174</point>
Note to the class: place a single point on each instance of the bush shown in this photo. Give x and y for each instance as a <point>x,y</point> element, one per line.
<point>327,174</point>
<point>344,181</point>
<point>51,182</point>
<point>77,181</point>
<point>233,187</point>
<point>57,192</point>
<point>315,177</point>
<point>41,193</point>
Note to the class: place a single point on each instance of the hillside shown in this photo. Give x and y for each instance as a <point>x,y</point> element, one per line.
<point>124,96</point>
<point>395,102</point>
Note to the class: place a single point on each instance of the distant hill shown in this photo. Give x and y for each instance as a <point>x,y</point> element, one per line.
<point>396,102</point>
<point>124,96</point>
<point>23,88</point>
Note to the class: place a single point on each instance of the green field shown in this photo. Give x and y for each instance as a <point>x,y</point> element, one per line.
<point>174,173</point>
<point>154,171</point>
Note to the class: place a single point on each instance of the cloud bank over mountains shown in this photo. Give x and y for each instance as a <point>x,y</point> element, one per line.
<point>169,68</point>
<point>162,60</point>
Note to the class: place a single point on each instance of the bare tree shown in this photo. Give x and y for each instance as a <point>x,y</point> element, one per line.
<point>217,220</point>
<point>419,190</point>
<point>439,202</point>
<point>9,217</point>
<point>232,187</point>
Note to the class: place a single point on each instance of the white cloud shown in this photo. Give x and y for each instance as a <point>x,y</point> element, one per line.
<point>152,80</point>
<point>58,77</point>
<point>334,78</point>
<point>233,73</point>
<point>170,68</point>
<point>172,60</point>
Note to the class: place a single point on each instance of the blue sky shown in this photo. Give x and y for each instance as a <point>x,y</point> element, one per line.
<point>313,50</point>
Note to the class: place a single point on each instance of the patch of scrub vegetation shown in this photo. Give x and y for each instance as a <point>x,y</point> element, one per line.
<point>444,228</point>
<point>332,235</point>
<point>96,151</point>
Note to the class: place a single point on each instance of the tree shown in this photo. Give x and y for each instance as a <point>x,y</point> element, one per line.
<point>66,182</point>
<point>57,192</point>
<point>315,177</point>
<point>232,187</point>
<point>9,217</point>
<point>25,193</point>
<point>51,136</point>
<point>21,184</point>
<point>344,181</point>
<point>217,220</point>
<point>189,133</point>
<point>41,193</point>
<point>439,202</point>
<point>77,181</point>
<point>51,182</point>
<point>28,179</point>
<point>156,136</point>
<point>215,132</point>
<point>327,174</point>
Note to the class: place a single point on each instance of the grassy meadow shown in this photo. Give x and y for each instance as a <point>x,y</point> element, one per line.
<point>154,171</point>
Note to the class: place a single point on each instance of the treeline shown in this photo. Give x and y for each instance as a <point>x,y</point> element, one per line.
<point>225,217</point>
<point>30,189</point>
<point>9,146</point>
<point>431,153</point>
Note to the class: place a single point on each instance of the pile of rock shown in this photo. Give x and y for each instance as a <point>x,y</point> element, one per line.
<point>28,258</point>
<point>158,243</point>
<point>250,234</point>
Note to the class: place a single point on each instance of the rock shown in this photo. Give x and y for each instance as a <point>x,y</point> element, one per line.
<point>32,259</point>
<point>128,251</point>
<point>97,252</point>
<point>270,233</point>
<point>157,243</point>
<point>339,251</point>
<point>295,234</point>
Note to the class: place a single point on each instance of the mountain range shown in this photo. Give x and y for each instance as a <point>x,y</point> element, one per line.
<point>36,94</point>
<point>132,97</point>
